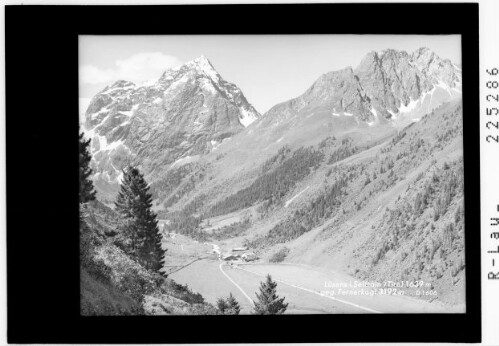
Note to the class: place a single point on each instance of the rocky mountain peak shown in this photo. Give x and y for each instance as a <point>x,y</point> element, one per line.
<point>188,111</point>
<point>386,83</point>
<point>383,60</point>
<point>199,66</point>
<point>393,54</point>
<point>202,63</point>
<point>425,59</point>
<point>331,83</point>
<point>122,84</point>
<point>436,69</point>
<point>203,66</point>
<point>423,54</point>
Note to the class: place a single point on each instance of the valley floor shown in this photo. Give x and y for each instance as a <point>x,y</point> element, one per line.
<point>308,290</point>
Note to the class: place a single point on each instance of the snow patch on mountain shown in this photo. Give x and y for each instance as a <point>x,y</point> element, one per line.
<point>177,84</point>
<point>452,91</point>
<point>371,123</point>
<point>183,161</point>
<point>203,64</point>
<point>409,107</point>
<point>393,115</point>
<point>247,117</point>
<point>208,86</point>
<point>215,145</point>
<point>148,83</point>
<point>120,86</point>
<point>119,178</point>
<point>127,113</point>
<point>101,111</point>
<point>105,146</point>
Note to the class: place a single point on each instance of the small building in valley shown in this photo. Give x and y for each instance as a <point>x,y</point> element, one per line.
<point>250,256</point>
<point>230,257</point>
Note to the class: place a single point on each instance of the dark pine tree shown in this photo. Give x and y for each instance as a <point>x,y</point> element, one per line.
<point>87,192</point>
<point>269,302</point>
<point>233,307</point>
<point>222,305</point>
<point>228,306</point>
<point>134,203</point>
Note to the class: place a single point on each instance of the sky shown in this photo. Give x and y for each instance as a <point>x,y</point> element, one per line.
<point>269,69</point>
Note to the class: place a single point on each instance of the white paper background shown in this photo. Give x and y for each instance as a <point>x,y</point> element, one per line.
<point>489,152</point>
<point>489,170</point>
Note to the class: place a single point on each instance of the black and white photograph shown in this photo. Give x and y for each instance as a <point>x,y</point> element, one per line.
<point>271,174</point>
<point>217,172</point>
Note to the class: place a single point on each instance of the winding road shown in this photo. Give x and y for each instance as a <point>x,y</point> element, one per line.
<point>235,284</point>
<point>307,289</point>
<point>313,292</point>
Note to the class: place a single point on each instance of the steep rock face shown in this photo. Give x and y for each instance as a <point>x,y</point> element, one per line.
<point>435,68</point>
<point>392,79</point>
<point>187,111</point>
<point>385,84</point>
<point>338,90</point>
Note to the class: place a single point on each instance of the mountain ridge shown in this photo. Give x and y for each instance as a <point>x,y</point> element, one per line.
<point>191,111</point>
<point>383,84</point>
<point>187,111</point>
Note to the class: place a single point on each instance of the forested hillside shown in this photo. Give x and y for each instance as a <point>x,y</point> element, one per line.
<point>401,214</point>
<point>272,185</point>
<point>122,255</point>
<point>114,284</point>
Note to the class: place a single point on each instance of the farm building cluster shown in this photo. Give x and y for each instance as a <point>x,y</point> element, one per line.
<point>238,254</point>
